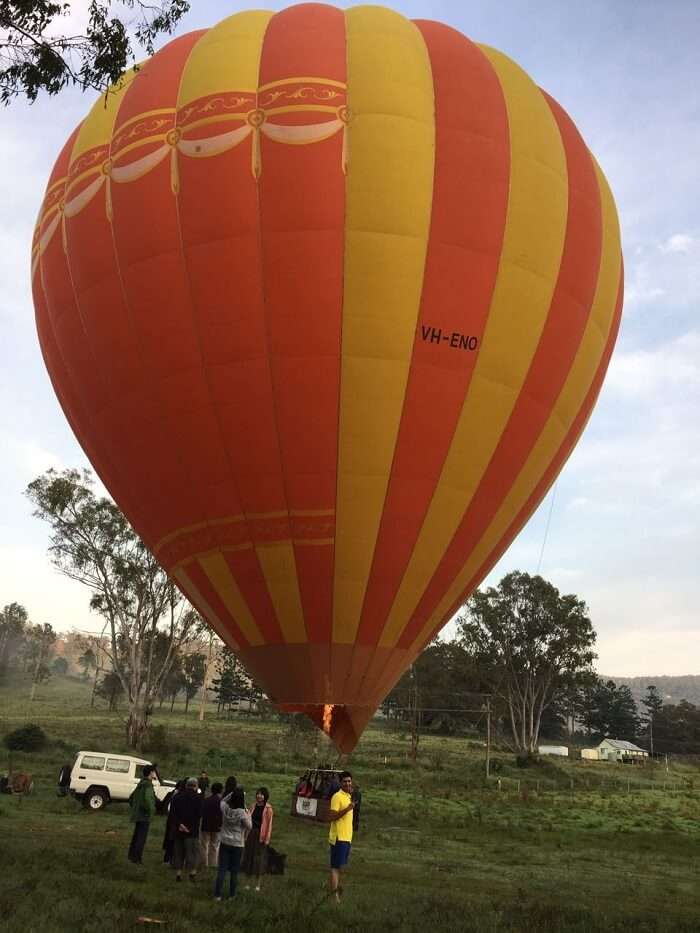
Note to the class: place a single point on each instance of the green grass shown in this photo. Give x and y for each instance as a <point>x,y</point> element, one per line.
<point>437,849</point>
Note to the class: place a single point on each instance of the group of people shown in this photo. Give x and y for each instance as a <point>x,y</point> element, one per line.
<point>218,831</point>
<point>210,831</point>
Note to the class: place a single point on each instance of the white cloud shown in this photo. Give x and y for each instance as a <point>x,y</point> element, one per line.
<point>639,287</point>
<point>664,276</point>
<point>578,502</point>
<point>658,372</point>
<point>678,243</point>
<point>30,458</point>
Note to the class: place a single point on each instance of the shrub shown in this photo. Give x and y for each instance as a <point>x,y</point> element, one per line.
<point>156,740</point>
<point>29,738</point>
<point>526,760</point>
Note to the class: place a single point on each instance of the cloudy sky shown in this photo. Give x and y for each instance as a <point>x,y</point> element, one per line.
<point>624,532</point>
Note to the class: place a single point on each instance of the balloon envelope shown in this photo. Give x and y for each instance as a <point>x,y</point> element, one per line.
<point>327,297</point>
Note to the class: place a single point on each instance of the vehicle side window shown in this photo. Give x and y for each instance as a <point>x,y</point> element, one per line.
<point>119,765</point>
<point>92,762</point>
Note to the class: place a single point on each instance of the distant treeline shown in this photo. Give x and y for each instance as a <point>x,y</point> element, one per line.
<point>671,689</point>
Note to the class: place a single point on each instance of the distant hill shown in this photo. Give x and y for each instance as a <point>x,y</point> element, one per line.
<point>671,689</point>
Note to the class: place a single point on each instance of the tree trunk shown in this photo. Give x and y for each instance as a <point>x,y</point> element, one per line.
<point>36,672</point>
<point>207,672</point>
<point>513,724</point>
<point>136,725</point>
<point>187,701</point>
<point>94,687</point>
<point>172,702</point>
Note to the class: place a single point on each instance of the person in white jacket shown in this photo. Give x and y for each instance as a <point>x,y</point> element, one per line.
<point>236,822</point>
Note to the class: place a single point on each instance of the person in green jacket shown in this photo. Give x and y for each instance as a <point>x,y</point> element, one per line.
<point>143,807</point>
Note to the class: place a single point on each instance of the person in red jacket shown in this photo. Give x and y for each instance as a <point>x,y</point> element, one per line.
<point>258,839</point>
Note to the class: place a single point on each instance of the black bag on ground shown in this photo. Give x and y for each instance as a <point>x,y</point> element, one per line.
<point>276,862</point>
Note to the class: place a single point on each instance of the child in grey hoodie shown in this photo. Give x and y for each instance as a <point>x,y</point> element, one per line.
<point>236,822</point>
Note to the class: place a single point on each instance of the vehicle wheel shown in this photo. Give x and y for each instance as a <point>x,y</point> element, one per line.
<point>95,798</point>
<point>64,776</point>
<point>63,781</point>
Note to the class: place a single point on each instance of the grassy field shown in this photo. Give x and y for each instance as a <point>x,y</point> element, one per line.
<point>577,847</point>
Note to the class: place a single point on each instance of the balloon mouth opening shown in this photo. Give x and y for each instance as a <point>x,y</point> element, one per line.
<point>342,724</point>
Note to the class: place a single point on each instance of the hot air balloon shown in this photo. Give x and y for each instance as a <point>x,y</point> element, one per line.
<point>327,297</point>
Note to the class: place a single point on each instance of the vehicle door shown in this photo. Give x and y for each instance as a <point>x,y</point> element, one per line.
<point>90,769</point>
<point>120,775</point>
<point>160,789</point>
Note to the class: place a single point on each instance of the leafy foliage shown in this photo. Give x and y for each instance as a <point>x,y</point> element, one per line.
<point>677,729</point>
<point>88,661</point>
<point>110,689</point>
<point>194,669</point>
<point>13,627</point>
<point>610,711</point>
<point>42,50</point>
<point>445,686</point>
<point>29,738</point>
<point>147,620</point>
<point>232,682</point>
<point>652,703</point>
<point>37,648</point>
<point>59,666</point>
<point>528,642</point>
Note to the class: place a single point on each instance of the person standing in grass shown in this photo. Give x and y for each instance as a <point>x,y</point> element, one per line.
<point>143,806</point>
<point>236,822</point>
<point>255,856</point>
<point>186,809</point>
<point>211,827</point>
<point>169,834</point>
<point>340,835</point>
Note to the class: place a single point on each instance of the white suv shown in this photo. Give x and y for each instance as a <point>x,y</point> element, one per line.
<point>97,778</point>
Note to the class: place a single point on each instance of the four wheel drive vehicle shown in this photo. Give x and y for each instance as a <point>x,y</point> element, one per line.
<point>98,778</point>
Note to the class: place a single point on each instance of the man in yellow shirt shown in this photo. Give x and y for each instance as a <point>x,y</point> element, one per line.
<point>340,835</point>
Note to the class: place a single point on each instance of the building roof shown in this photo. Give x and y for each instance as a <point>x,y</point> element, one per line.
<point>622,745</point>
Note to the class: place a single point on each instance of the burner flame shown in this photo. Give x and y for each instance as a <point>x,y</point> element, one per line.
<point>327,718</point>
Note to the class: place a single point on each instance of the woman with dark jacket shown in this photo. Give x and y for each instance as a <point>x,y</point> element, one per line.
<point>169,835</point>
<point>235,823</point>
<point>186,809</point>
<point>258,839</point>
